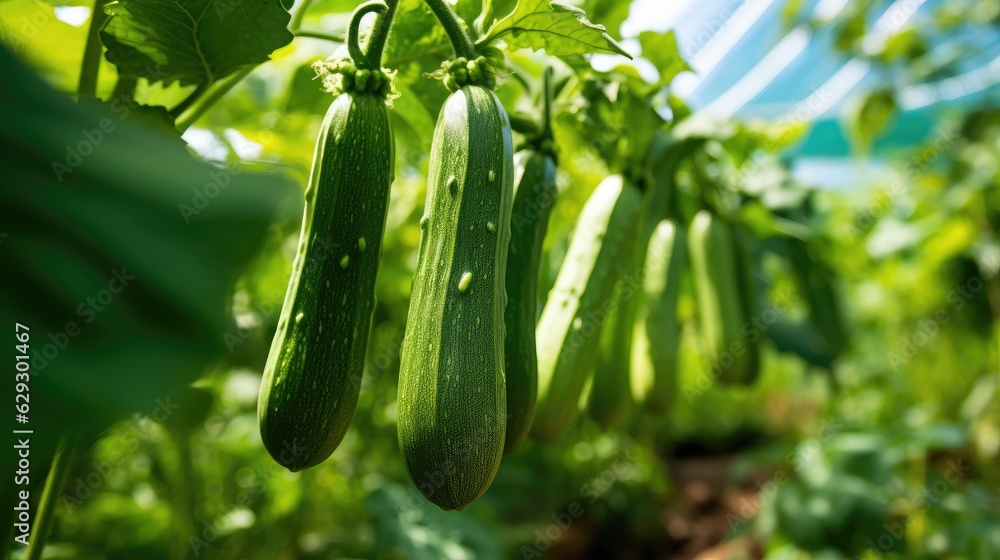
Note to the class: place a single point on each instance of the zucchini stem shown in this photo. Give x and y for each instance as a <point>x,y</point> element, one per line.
<point>380,34</point>
<point>47,505</point>
<point>464,47</point>
<point>353,44</point>
<point>91,65</point>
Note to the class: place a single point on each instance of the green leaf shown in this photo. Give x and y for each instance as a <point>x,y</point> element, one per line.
<point>417,39</point>
<point>122,250</point>
<point>869,119</point>
<point>194,43</point>
<point>559,29</point>
<point>611,13</point>
<point>305,92</point>
<point>907,44</point>
<point>661,49</point>
<point>492,10</point>
<point>851,31</point>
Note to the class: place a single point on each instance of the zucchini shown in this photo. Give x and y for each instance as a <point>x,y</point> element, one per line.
<point>657,332</point>
<point>571,321</point>
<point>451,406</point>
<point>609,395</point>
<point>721,301</point>
<point>534,194</point>
<point>315,365</point>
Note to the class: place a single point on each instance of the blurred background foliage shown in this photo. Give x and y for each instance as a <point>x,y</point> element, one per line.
<point>882,445</point>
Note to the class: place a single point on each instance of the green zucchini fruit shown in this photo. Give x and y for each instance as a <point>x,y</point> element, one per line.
<point>578,305</point>
<point>609,396</point>
<point>314,369</point>
<point>534,194</point>
<point>720,299</point>
<point>657,331</point>
<point>451,406</point>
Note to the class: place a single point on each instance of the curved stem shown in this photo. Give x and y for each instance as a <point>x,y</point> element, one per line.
<point>379,36</point>
<point>47,504</point>
<point>320,35</point>
<point>91,65</point>
<point>463,44</point>
<point>353,44</point>
<point>222,87</point>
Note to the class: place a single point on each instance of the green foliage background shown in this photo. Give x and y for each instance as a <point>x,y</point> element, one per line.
<point>898,435</point>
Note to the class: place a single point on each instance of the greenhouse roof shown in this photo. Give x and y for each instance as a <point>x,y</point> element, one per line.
<point>751,61</point>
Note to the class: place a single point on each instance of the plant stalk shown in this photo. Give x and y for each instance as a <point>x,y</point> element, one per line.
<point>91,65</point>
<point>460,40</point>
<point>547,104</point>
<point>299,14</point>
<point>361,60</point>
<point>221,88</point>
<point>47,505</point>
<point>190,99</point>
<point>333,38</point>
<point>380,34</point>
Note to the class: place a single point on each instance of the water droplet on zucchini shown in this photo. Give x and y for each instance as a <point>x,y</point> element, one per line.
<point>463,284</point>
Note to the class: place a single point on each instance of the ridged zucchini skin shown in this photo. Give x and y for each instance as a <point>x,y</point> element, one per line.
<point>719,294</point>
<point>657,331</point>
<point>451,406</point>
<point>570,325</point>
<point>314,369</point>
<point>534,195</point>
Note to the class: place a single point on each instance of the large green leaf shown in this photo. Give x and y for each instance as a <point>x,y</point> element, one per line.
<point>121,252</point>
<point>192,41</point>
<point>559,29</point>
<point>661,49</point>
